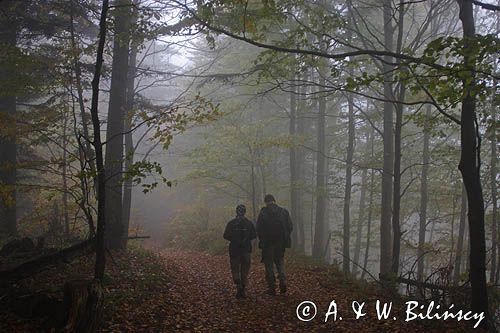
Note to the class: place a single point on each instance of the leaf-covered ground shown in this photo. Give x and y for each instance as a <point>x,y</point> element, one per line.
<point>202,298</point>
<point>182,291</point>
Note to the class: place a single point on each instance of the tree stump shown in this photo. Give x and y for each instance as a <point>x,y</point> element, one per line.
<point>83,302</point>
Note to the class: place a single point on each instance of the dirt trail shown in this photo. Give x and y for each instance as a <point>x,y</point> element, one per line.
<point>202,300</point>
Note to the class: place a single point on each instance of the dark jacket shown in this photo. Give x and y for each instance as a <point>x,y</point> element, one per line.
<point>240,232</point>
<point>274,226</point>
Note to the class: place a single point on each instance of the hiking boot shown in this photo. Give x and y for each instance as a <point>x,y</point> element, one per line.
<point>271,291</point>
<point>243,293</point>
<point>282,288</point>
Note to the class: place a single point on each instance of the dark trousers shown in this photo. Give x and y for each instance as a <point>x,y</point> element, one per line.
<point>274,255</point>
<point>240,266</point>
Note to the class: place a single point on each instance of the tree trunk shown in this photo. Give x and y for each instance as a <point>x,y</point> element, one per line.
<point>300,155</point>
<point>115,125</point>
<point>262,172</point>
<point>100,261</point>
<point>460,240</point>
<point>388,165</point>
<point>470,165</point>
<point>309,232</point>
<point>370,209</point>
<point>396,196</point>
<point>320,227</point>
<point>361,215</point>
<point>396,212</point>
<point>297,234</point>
<point>65,176</point>
<point>494,198</point>
<point>129,142</point>
<point>346,232</point>
<point>348,187</point>
<point>83,303</point>
<point>423,198</point>
<point>494,187</point>
<point>253,180</point>
<point>8,146</point>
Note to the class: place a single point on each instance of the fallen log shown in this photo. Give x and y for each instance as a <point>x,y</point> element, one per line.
<point>427,285</point>
<point>43,262</point>
<point>138,237</point>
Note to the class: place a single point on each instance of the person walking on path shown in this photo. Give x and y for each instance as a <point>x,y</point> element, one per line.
<point>240,231</point>
<point>274,227</point>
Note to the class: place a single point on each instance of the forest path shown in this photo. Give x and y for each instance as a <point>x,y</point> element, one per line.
<point>202,299</point>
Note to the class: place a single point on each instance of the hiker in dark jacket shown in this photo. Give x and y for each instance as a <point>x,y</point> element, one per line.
<point>274,227</point>
<point>240,232</point>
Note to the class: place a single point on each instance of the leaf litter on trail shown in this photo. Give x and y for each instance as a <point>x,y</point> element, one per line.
<point>207,302</point>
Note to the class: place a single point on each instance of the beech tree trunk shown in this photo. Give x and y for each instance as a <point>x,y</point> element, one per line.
<point>320,225</point>
<point>388,164</point>
<point>253,180</point>
<point>65,176</point>
<point>348,186</point>
<point>346,230</point>
<point>129,141</point>
<point>297,234</point>
<point>423,198</point>
<point>301,168</point>
<point>470,165</point>
<point>115,125</point>
<point>370,209</point>
<point>309,229</point>
<point>361,215</point>
<point>396,210</point>
<point>494,199</point>
<point>461,236</point>
<point>396,193</point>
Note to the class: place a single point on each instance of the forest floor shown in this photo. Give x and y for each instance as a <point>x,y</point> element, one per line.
<point>202,298</point>
<point>185,291</point>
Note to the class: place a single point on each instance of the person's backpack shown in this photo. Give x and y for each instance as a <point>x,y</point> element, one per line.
<point>275,224</point>
<point>241,231</point>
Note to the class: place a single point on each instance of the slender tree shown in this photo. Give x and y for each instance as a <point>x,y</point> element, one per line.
<point>320,223</point>
<point>388,138</point>
<point>368,224</point>
<point>298,243</point>
<point>129,141</point>
<point>494,198</point>
<point>300,156</point>
<point>116,123</point>
<point>470,165</point>
<point>398,128</point>
<point>423,197</point>
<point>100,261</point>
<point>361,211</point>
